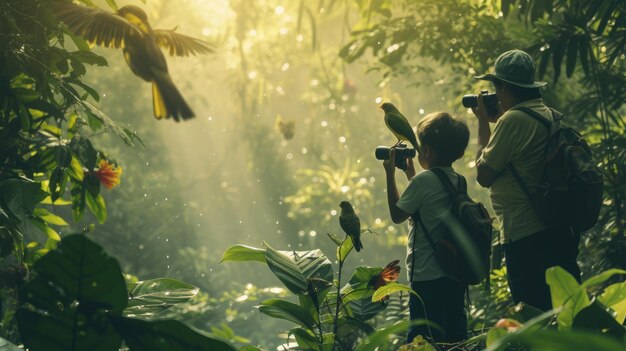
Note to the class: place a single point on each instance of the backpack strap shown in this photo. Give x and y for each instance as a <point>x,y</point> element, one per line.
<point>521,182</point>
<point>462,188</point>
<point>418,219</point>
<point>536,115</point>
<point>556,118</point>
<point>461,182</point>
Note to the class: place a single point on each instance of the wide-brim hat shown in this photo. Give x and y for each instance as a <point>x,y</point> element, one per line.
<point>515,67</point>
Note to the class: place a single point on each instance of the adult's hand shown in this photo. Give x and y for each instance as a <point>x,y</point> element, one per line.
<point>480,111</point>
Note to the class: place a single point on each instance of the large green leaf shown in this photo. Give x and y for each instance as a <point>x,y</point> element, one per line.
<point>148,298</point>
<point>45,228</point>
<point>243,253</point>
<point>389,289</point>
<point>305,339</point>
<point>20,196</point>
<point>294,268</point>
<point>359,286</point>
<point>495,334</point>
<point>75,287</point>
<point>364,309</point>
<point>381,337</point>
<point>355,324</point>
<point>83,148</point>
<point>97,206</point>
<point>566,292</point>
<point>614,296</point>
<point>282,309</point>
<point>48,217</point>
<point>344,249</point>
<point>165,335</point>
<point>602,277</point>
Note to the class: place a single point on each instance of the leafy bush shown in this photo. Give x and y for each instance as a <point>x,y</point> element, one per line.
<point>78,300</point>
<point>328,315</point>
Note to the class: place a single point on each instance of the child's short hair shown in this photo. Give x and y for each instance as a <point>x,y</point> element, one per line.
<point>445,135</point>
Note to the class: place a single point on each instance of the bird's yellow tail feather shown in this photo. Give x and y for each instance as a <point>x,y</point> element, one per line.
<point>160,111</point>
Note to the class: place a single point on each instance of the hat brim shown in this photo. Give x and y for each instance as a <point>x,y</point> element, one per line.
<point>491,77</point>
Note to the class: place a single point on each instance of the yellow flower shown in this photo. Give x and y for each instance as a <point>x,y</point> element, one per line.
<point>108,174</point>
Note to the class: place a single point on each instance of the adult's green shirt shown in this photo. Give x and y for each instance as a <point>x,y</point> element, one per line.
<point>520,140</point>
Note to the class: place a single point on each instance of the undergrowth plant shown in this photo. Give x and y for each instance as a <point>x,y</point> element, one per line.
<point>328,315</point>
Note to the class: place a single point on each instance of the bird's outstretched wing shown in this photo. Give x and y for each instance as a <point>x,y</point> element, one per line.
<point>95,25</point>
<point>180,44</point>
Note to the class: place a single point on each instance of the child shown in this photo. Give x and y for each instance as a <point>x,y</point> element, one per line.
<point>443,140</point>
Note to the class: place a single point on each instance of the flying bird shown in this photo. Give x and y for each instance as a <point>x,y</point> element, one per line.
<point>350,223</point>
<point>399,125</point>
<point>129,29</point>
<point>286,127</point>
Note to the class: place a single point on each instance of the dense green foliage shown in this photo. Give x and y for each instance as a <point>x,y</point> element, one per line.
<point>288,131</point>
<point>329,315</point>
<point>74,296</point>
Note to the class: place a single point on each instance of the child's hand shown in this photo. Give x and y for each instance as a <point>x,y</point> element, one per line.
<point>390,163</point>
<point>410,169</point>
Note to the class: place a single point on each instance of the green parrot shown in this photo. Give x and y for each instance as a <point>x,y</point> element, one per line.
<point>398,124</point>
<point>350,223</point>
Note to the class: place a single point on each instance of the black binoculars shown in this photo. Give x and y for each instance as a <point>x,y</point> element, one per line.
<point>490,101</point>
<point>402,154</point>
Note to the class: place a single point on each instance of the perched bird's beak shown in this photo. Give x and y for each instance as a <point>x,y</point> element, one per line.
<point>380,107</point>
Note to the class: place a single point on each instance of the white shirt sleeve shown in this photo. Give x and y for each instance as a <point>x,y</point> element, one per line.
<point>413,196</point>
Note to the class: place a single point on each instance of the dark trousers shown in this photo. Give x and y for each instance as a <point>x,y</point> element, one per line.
<point>444,303</point>
<point>527,260</point>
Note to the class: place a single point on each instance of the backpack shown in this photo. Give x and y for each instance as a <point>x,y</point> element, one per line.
<point>464,250</point>
<point>569,193</point>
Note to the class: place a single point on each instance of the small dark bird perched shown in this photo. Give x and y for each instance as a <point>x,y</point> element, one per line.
<point>398,124</point>
<point>350,223</point>
<point>130,30</point>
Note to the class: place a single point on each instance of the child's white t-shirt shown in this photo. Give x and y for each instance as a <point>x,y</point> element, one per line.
<point>429,195</point>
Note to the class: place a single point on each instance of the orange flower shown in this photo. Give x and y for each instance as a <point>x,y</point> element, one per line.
<point>388,274</point>
<point>108,174</point>
<point>510,325</point>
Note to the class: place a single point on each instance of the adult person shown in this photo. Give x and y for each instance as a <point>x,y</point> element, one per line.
<point>517,144</point>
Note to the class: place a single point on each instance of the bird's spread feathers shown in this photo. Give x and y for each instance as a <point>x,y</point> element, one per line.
<point>129,29</point>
